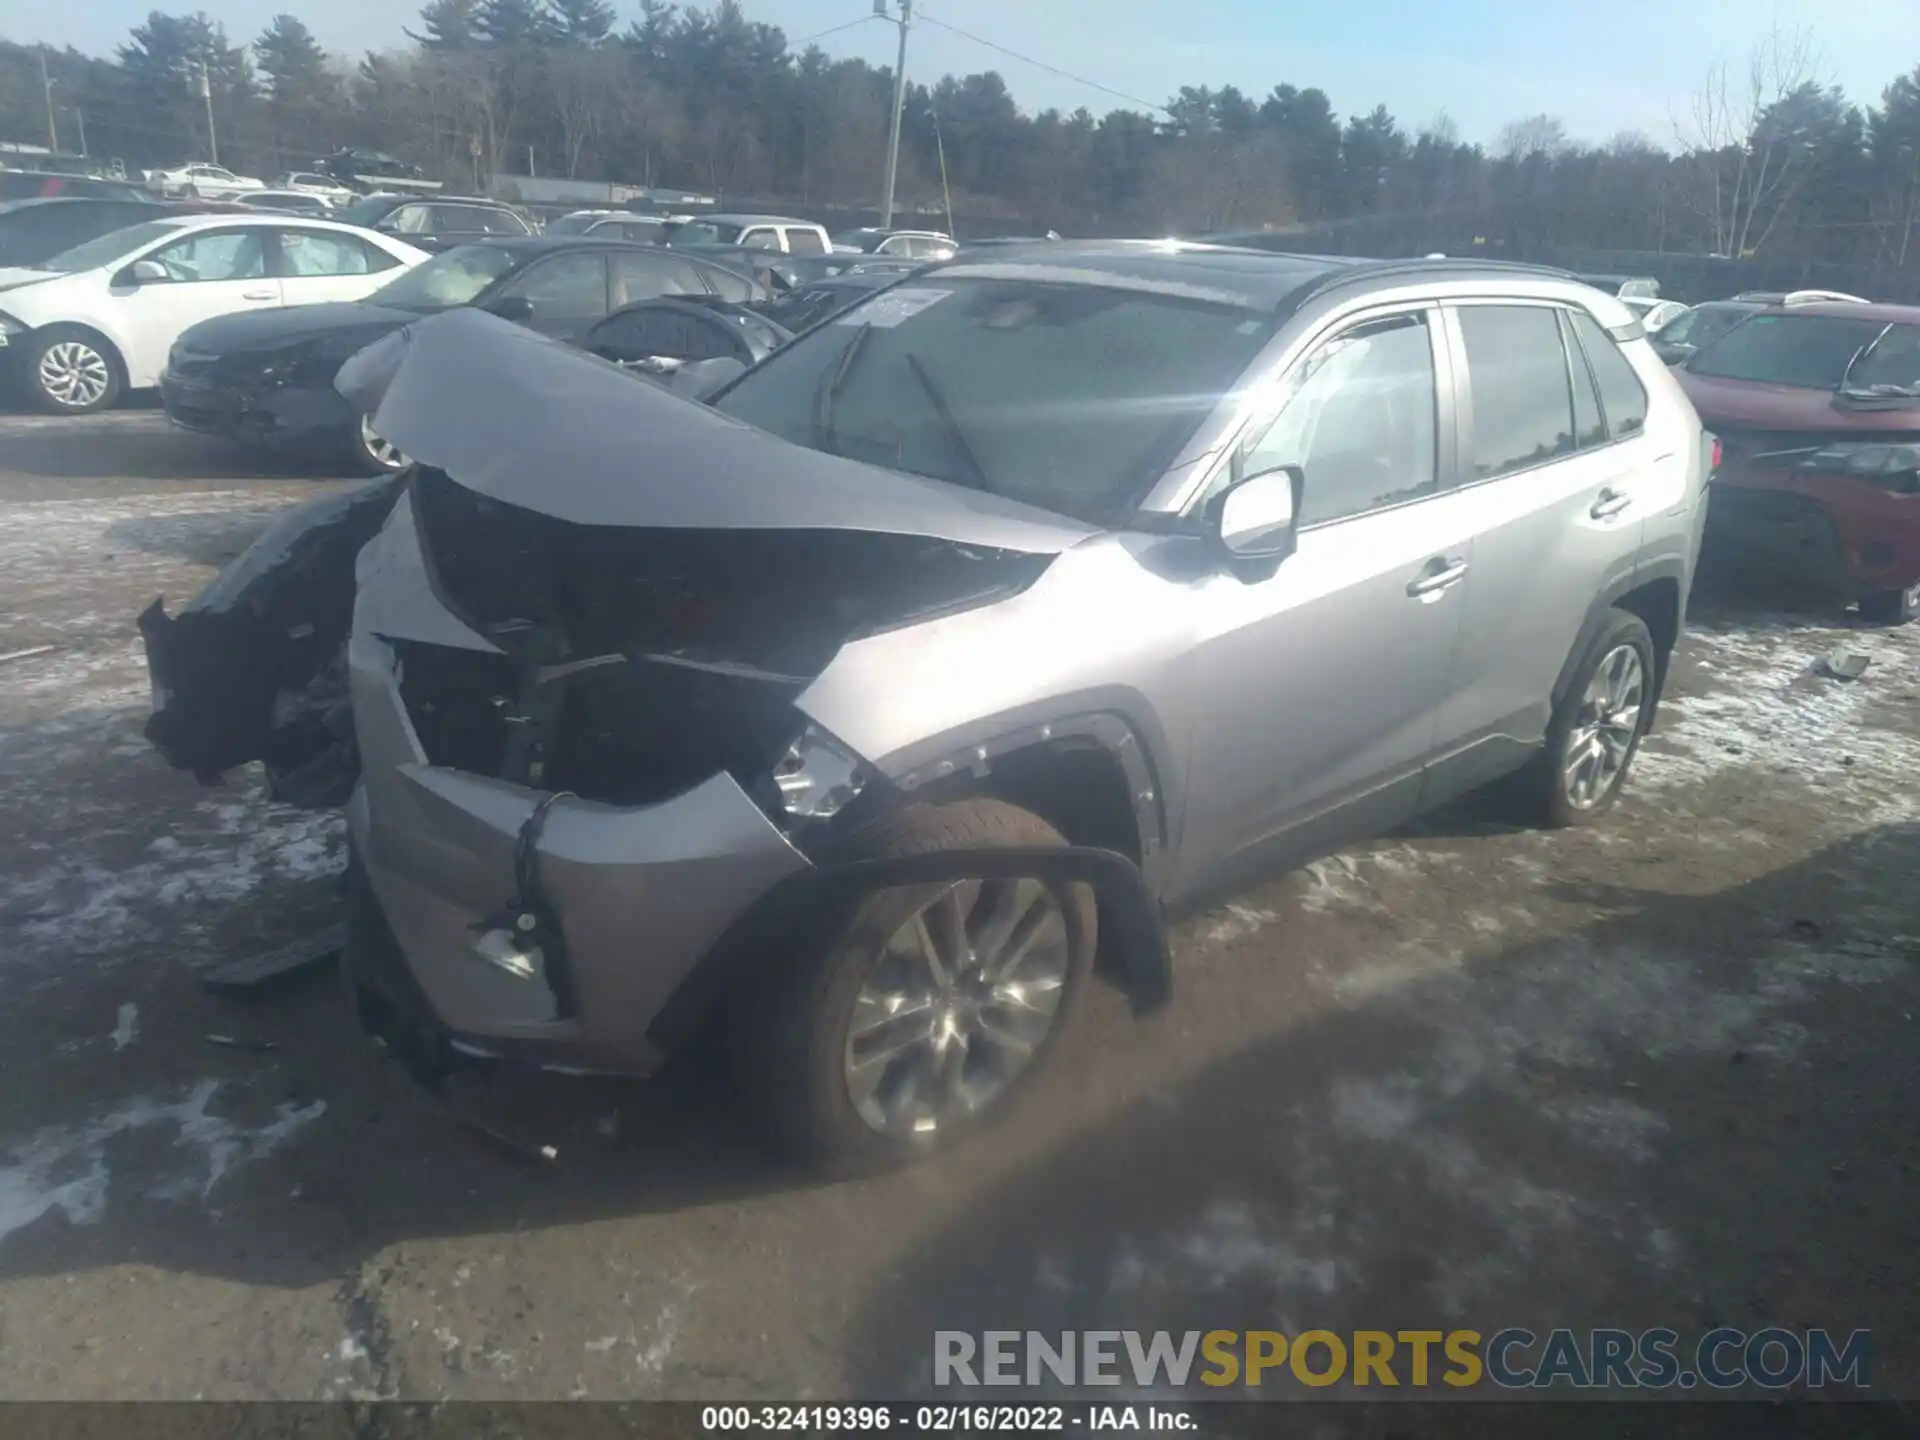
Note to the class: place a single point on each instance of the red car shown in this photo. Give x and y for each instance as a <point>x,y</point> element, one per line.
<point>1818,412</point>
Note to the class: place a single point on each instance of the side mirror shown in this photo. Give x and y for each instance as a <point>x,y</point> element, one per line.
<point>1259,515</point>
<point>147,272</point>
<point>517,308</point>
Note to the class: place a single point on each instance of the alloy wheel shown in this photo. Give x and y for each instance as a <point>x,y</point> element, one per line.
<point>383,453</point>
<point>958,1006</point>
<point>1601,739</point>
<point>74,374</point>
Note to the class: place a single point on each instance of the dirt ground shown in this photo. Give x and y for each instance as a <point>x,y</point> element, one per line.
<point>1659,1072</point>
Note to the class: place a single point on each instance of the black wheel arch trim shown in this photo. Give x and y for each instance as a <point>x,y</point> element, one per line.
<point>810,902</point>
<point>1607,600</point>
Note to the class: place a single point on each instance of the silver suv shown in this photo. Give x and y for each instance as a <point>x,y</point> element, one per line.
<point>959,641</point>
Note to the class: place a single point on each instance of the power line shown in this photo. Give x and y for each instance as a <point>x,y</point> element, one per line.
<point>830,30</point>
<point>1043,65</point>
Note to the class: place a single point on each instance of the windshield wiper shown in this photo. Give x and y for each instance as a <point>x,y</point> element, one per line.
<point>954,432</point>
<point>824,438</point>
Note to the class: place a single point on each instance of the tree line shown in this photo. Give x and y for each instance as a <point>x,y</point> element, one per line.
<point>1765,159</point>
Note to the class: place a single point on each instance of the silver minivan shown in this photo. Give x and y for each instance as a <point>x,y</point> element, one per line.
<point>949,649</point>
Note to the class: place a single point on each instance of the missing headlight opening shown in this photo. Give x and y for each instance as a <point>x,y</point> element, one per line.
<point>639,663</point>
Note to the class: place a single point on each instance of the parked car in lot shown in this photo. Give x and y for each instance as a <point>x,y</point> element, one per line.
<point>907,244</point>
<point>90,322</point>
<point>1700,326</point>
<point>642,229</point>
<point>367,172</point>
<point>46,185</point>
<point>575,222</point>
<point>268,379</point>
<point>753,232</point>
<point>1817,406</point>
<point>1654,312</point>
<point>980,627</point>
<point>33,230</point>
<point>202,182</point>
<point>311,182</point>
<point>434,224</point>
<point>294,202</point>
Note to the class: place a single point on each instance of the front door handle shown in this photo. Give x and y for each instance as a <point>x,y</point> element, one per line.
<point>1609,504</point>
<point>259,294</point>
<point>1438,574</point>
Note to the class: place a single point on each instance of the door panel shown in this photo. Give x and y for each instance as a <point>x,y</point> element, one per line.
<point>1549,537</point>
<point>215,272</point>
<point>1316,683</point>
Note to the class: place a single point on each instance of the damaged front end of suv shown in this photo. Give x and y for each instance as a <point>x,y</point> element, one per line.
<point>595,798</point>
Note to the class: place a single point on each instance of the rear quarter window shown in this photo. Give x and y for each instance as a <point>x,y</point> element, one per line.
<point>1623,399</point>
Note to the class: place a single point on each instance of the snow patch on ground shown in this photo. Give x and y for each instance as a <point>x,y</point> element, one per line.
<point>67,1168</point>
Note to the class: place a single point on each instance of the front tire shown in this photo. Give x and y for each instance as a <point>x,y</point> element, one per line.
<point>930,1012</point>
<point>371,454</point>
<point>1597,726</point>
<point>1891,607</point>
<point>72,371</point>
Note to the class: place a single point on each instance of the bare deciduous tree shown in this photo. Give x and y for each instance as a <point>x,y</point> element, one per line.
<point>1745,155</point>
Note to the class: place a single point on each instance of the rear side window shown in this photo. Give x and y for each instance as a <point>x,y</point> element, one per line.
<point>805,242</point>
<point>1522,401</point>
<point>1589,426</point>
<point>1623,398</point>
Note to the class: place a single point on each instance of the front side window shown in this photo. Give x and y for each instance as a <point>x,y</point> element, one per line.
<point>1358,418</point>
<point>209,255</point>
<point>412,220</point>
<point>1517,373</point>
<point>761,240</point>
<point>1070,397</point>
<point>1809,352</point>
<point>1622,396</point>
<point>567,287</point>
<point>729,286</point>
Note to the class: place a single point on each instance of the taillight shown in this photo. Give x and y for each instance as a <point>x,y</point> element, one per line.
<point>1714,464</point>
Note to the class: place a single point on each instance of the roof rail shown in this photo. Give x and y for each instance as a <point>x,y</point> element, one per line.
<point>1367,269</point>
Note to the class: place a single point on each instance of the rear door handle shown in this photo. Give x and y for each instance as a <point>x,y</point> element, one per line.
<point>1438,573</point>
<point>259,294</point>
<point>1609,504</point>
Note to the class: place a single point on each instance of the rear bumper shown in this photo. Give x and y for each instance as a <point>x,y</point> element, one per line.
<point>284,418</point>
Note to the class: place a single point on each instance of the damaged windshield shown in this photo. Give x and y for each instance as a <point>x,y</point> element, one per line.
<point>445,281</point>
<point>1068,397</point>
<point>1809,352</point>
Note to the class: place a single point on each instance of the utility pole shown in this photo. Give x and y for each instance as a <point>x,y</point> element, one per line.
<point>899,102</point>
<point>206,94</point>
<point>46,85</point>
<point>81,116</point>
<point>946,192</point>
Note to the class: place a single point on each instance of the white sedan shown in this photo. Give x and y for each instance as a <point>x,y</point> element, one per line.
<point>98,319</point>
<point>312,182</point>
<point>202,182</point>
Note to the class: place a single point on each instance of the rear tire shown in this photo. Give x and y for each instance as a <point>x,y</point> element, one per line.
<point>1596,728</point>
<point>1891,607</point>
<point>827,1043</point>
<point>71,371</point>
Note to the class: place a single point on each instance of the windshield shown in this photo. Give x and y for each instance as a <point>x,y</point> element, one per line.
<point>108,248</point>
<point>1068,397</point>
<point>447,280</point>
<point>706,232</point>
<point>1809,352</point>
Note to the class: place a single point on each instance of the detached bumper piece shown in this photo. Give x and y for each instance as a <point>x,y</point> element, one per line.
<point>253,667</point>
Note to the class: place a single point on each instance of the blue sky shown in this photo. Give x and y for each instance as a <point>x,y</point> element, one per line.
<point>1628,64</point>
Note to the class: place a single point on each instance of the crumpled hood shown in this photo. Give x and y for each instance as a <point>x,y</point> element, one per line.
<point>535,423</point>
